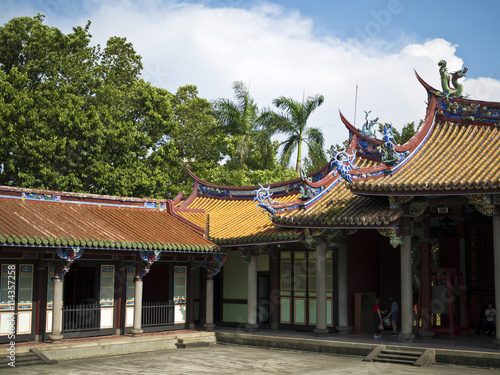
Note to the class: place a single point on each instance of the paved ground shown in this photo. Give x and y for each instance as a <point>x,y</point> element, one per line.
<point>227,359</point>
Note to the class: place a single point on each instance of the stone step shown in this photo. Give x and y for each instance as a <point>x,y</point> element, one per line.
<point>398,356</point>
<point>23,359</point>
<point>396,361</point>
<point>193,342</point>
<point>402,357</point>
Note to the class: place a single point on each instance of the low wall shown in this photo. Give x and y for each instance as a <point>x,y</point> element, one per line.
<point>76,350</point>
<point>312,345</point>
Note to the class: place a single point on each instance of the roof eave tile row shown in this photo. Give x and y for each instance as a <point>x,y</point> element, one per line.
<point>26,222</point>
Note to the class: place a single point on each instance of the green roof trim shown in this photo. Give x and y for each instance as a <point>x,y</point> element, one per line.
<point>116,244</point>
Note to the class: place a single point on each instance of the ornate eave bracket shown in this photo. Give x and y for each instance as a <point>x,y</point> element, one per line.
<point>68,256</point>
<point>392,233</point>
<point>213,265</point>
<point>246,254</point>
<point>417,209</point>
<point>396,202</point>
<point>487,204</point>
<point>312,237</point>
<point>148,258</point>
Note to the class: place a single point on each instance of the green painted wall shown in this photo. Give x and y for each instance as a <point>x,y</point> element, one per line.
<point>235,313</point>
<point>235,277</point>
<point>263,263</point>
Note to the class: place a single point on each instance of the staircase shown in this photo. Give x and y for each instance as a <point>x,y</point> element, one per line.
<point>401,355</point>
<point>33,357</point>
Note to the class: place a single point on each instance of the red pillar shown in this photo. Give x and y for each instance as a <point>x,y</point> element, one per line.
<point>425,277</point>
<point>192,279</point>
<point>274,296</point>
<point>121,280</point>
<point>203,295</point>
<point>41,293</point>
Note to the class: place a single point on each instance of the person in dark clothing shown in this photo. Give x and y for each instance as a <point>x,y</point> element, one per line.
<point>394,315</point>
<point>377,318</point>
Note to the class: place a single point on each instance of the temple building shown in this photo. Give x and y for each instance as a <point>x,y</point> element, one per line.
<point>420,221</point>
<point>88,255</point>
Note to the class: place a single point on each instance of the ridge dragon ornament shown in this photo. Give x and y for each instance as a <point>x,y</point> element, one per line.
<point>449,81</point>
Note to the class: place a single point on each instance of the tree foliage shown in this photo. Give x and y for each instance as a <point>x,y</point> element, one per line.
<point>75,117</point>
<point>224,174</point>
<point>293,123</point>
<point>246,128</point>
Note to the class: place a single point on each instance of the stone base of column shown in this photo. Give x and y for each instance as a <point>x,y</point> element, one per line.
<point>251,327</point>
<point>426,335</point>
<point>320,332</point>
<point>344,330</point>
<point>209,326</point>
<point>496,342</point>
<point>191,326</point>
<point>55,339</point>
<point>273,326</point>
<point>136,332</point>
<point>406,338</point>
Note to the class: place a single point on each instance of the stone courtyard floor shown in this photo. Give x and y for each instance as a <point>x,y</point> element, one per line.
<point>234,359</point>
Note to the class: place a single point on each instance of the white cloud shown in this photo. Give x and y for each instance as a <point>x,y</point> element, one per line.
<point>277,53</point>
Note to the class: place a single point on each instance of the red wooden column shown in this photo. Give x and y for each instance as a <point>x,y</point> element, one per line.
<point>425,280</point>
<point>203,293</point>
<point>274,297</point>
<point>40,310</point>
<point>121,291</point>
<point>192,279</point>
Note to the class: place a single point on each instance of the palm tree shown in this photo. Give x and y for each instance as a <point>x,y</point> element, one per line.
<point>293,123</point>
<point>242,120</point>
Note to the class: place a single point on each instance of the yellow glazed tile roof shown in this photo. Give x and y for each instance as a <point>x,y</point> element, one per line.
<point>47,218</point>
<point>232,221</point>
<point>456,158</point>
<point>197,218</point>
<point>340,208</point>
<point>231,216</point>
<point>459,152</point>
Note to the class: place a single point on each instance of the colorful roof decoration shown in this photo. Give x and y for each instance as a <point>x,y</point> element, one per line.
<point>55,219</point>
<point>232,215</point>
<point>456,152</point>
<point>339,207</point>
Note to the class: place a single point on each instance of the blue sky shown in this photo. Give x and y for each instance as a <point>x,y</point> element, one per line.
<point>299,48</point>
<point>470,25</point>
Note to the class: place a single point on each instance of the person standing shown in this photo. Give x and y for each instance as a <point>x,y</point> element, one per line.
<point>377,318</point>
<point>394,315</point>
<point>490,314</point>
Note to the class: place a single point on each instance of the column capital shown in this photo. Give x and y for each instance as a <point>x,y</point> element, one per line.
<point>394,235</point>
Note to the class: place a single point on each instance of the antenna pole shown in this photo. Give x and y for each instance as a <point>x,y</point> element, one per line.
<point>356,103</point>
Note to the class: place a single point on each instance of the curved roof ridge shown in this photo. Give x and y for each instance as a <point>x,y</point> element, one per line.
<point>463,109</point>
<point>456,130</point>
<point>238,188</point>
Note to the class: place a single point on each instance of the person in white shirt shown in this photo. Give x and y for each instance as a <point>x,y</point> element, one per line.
<point>490,315</point>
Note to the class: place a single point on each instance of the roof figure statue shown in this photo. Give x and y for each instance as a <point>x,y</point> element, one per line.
<point>368,129</point>
<point>455,89</point>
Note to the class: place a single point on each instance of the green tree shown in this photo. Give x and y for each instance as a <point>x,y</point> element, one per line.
<point>78,118</point>
<point>223,174</point>
<point>293,123</point>
<point>249,136</point>
<point>199,141</point>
